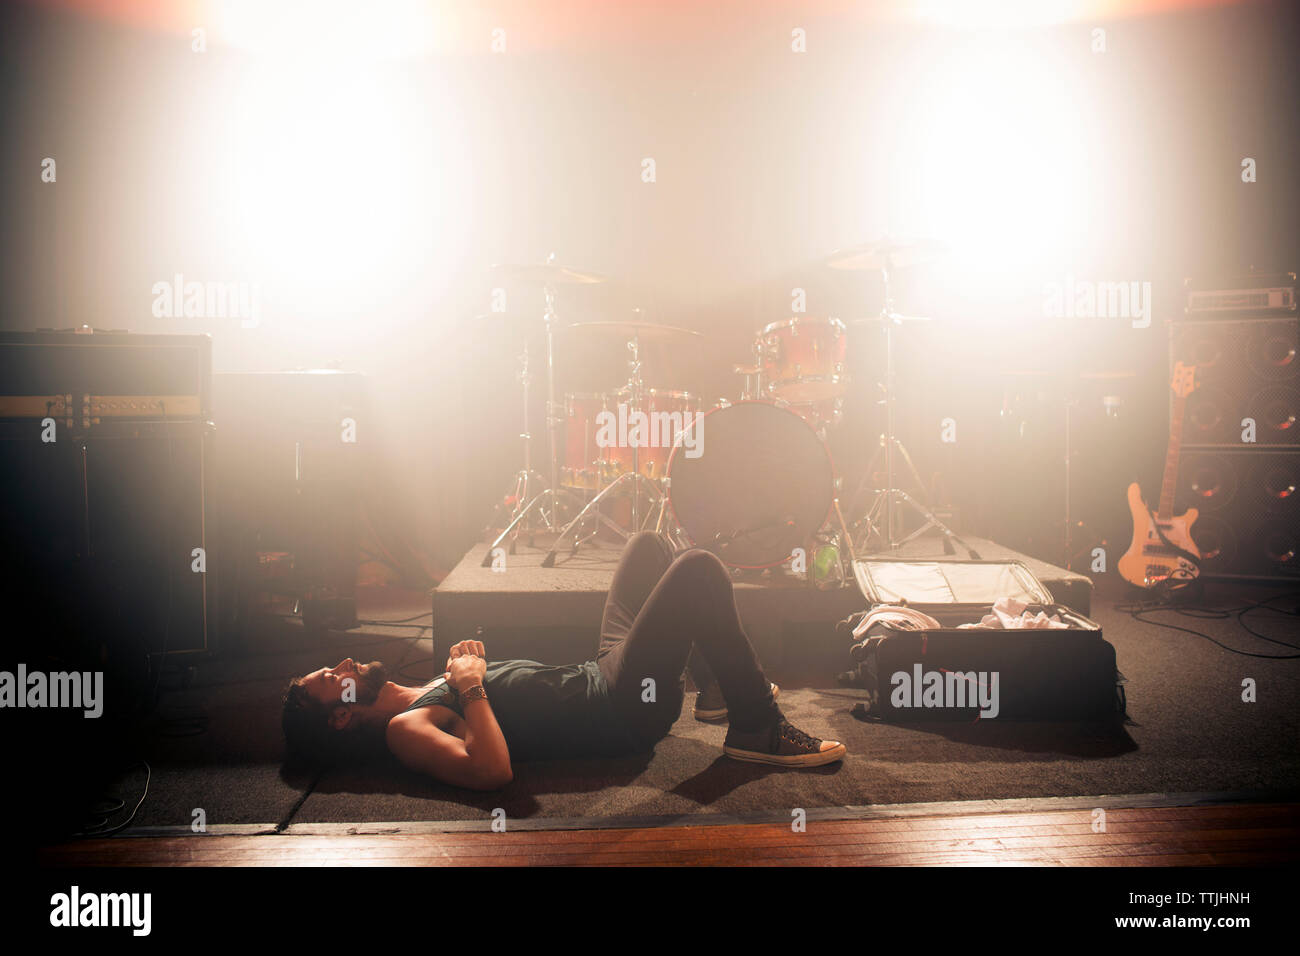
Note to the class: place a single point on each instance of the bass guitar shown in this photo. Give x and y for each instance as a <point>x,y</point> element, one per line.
<point>1162,552</point>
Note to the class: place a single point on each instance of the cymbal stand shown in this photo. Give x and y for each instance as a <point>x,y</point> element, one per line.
<point>526,480</point>
<point>546,503</point>
<point>634,477</point>
<point>1074,527</point>
<point>890,499</point>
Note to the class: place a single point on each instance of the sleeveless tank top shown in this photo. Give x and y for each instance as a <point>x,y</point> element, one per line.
<point>546,711</point>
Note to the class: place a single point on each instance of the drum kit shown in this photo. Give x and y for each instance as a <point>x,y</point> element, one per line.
<point>750,480</point>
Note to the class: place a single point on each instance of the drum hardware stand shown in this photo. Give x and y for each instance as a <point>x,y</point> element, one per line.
<point>840,538</point>
<point>1068,537</point>
<point>890,498</point>
<point>1073,527</point>
<point>601,518</point>
<point>754,388</point>
<point>634,477</point>
<point>846,553</point>
<point>549,494</point>
<point>527,478</point>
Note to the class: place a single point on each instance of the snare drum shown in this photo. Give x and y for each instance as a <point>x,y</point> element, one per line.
<point>667,414</point>
<point>803,358</point>
<point>603,434</point>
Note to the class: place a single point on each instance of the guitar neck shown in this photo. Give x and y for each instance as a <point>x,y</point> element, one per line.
<point>1167,487</point>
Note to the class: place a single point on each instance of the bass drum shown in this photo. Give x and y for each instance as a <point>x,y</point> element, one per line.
<point>760,484</point>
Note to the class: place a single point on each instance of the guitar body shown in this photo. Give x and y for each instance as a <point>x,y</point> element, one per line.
<point>1149,561</point>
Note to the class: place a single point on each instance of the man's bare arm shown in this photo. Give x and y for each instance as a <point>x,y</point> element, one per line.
<point>484,741</point>
<point>417,742</point>
<point>482,760</point>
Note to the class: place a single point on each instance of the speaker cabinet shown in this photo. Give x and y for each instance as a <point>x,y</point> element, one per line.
<point>1245,369</point>
<point>104,528</point>
<point>288,475</point>
<point>1247,492</point>
<point>103,462</point>
<point>1249,504</point>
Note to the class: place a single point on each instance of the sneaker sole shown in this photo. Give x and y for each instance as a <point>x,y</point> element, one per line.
<point>790,760</point>
<point>711,716</point>
<point>715,716</point>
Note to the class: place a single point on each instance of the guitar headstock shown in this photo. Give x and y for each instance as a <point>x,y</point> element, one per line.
<point>1184,381</point>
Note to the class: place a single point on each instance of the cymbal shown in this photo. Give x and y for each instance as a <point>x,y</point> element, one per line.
<point>547,273</point>
<point>887,254</point>
<point>642,330</point>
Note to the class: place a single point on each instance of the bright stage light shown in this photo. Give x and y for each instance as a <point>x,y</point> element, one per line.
<point>346,177</point>
<point>994,14</point>
<point>994,157</point>
<point>301,31</point>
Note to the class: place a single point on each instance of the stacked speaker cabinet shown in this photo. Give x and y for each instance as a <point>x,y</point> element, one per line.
<point>288,476</point>
<point>1240,463</point>
<point>104,447</point>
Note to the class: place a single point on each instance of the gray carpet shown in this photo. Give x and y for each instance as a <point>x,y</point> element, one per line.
<point>1189,732</point>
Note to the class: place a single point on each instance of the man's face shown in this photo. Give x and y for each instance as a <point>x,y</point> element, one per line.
<point>328,684</point>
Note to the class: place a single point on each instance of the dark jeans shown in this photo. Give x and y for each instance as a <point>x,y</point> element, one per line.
<point>658,608</point>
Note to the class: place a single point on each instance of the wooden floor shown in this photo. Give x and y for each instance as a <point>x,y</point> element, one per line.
<point>1218,835</point>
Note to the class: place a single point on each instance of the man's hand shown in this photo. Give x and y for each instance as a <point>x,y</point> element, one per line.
<point>481,758</point>
<point>465,665</point>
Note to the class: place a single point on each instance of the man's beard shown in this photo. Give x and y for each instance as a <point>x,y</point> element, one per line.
<point>370,681</point>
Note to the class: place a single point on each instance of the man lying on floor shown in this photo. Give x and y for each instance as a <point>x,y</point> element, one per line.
<point>465,730</point>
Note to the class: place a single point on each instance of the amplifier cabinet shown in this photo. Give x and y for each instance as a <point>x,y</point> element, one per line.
<point>1247,492</point>
<point>105,375</point>
<point>1245,369</point>
<point>114,526</point>
<point>106,513</point>
<point>287,480</point>
<point>1249,504</point>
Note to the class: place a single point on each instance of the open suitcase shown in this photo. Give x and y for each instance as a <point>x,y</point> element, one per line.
<point>916,672</point>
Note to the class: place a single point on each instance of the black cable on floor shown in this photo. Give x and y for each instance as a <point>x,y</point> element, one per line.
<point>1136,612</point>
<point>293,810</point>
<point>348,636</point>
<point>423,627</point>
<point>95,832</point>
<point>401,620</point>
<point>402,666</point>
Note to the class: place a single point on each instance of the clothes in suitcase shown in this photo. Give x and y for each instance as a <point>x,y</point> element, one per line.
<point>967,640</point>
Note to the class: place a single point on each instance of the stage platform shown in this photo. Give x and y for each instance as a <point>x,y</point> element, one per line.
<point>553,614</point>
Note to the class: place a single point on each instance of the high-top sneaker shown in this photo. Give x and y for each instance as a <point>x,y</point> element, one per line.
<point>782,744</point>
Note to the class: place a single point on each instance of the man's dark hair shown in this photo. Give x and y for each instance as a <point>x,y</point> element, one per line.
<point>312,740</point>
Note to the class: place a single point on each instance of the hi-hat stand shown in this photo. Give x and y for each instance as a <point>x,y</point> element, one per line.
<point>884,521</point>
<point>545,504</point>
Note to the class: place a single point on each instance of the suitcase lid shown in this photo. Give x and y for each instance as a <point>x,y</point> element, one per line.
<point>921,582</point>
